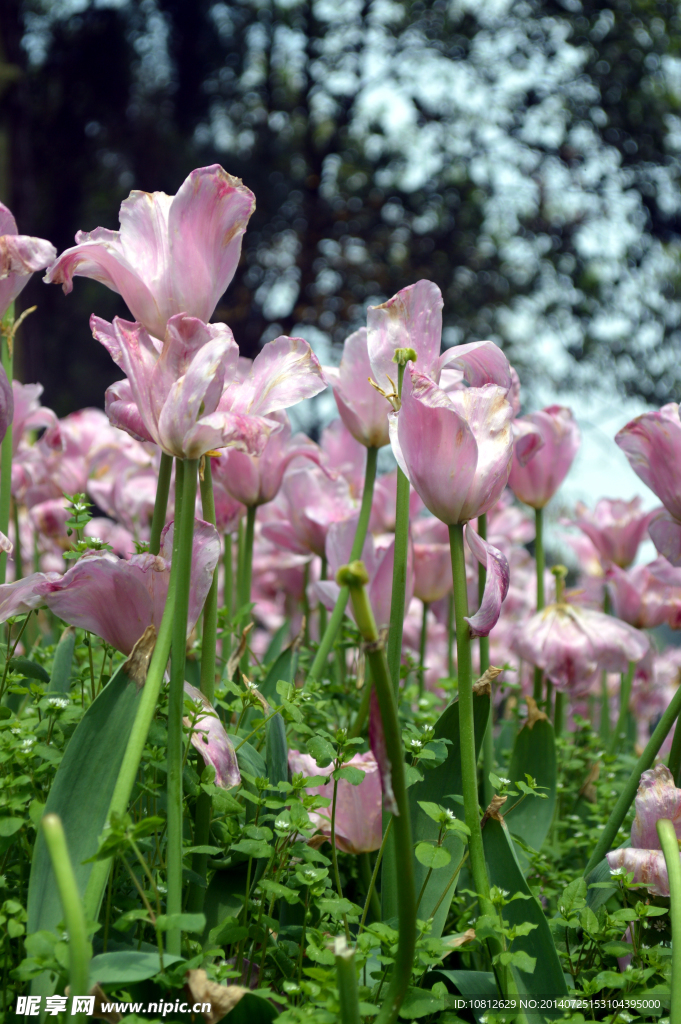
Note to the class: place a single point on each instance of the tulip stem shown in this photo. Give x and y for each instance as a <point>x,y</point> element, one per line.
<point>348,991</point>
<point>178,651</point>
<point>322,608</point>
<point>247,571</point>
<point>674,763</point>
<point>399,590</point>
<point>7,357</point>
<point>354,576</point>
<point>627,795</point>
<point>558,713</point>
<point>80,950</point>
<point>228,596</point>
<point>540,564</point>
<point>371,893</point>
<point>450,635</point>
<point>357,726</point>
<point>422,646</point>
<point>329,636</point>
<point>209,642</point>
<point>620,733</point>
<point>469,773</point>
<point>158,520</point>
<point>488,738</point>
<point>670,848</point>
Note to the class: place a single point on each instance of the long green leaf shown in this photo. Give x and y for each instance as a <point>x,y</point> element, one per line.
<point>471,985</point>
<point>63,659</point>
<point>505,872</point>
<point>534,753</point>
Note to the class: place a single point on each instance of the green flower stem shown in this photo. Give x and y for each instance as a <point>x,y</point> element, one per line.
<point>18,560</point>
<point>540,564</point>
<point>469,773</point>
<point>7,357</point>
<point>228,595</point>
<point>488,738</point>
<point>604,726</point>
<point>367,875</point>
<point>620,734</point>
<point>355,577</point>
<point>371,893</point>
<point>331,632</point>
<point>247,571</point>
<point>322,608</point>
<point>348,991</point>
<point>422,646</point>
<point>158,520</point>
<point>627,795</point>
<point>178,651</point>
<point>399,567</point>
<point>674,763</point>
<point>670,849</point>
<point>209,642</point>
<point>558,713</point>
<point>80,950</point>
<point>450,635</point>
<point>357,726</point>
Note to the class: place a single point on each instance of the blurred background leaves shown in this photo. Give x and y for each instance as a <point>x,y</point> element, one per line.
<point>523,155</point>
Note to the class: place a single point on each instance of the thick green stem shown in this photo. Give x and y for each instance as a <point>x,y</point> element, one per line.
<point>488,738</point>
<point>228,595</point>
<point>674,763</point>
<point>558,713</point>
<point>7,356</point>
<point>355,576</point>
<point>247,570</point>
<point>178,651</point>
<point>18,560</point>
<point>422,646</point>
<point>80,950</point>
<point>348,991</point>
<point>158,520</point>
<point>399,576</point>
<point>670,849</point>
<point>620,734</point>
<point>334,623</point>
<point>450,635</point>
<point>322,608</point>
<point>627,795</point>
<point>357,726</point>
<point>540,563</point>
<point>469,772</point>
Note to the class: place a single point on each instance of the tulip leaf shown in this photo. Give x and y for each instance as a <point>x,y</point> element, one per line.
<point>439,786</point>
<point>127,966</point>
<point>534,754</point>
<point>63,658</point>
<point>276,751</point>
<point>471,985</point>
<point>274,649</point>
<point>252,1009</point>
<point>283,668</point>
<point>81,794</point>
<point>29,669</point>
<point>505,872</point>
<point>224,898</point>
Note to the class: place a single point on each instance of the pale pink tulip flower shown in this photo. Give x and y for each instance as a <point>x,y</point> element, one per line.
<point>571,645</point>
<point>344,455</point>
<point>615,528</point>
<point>384,504</point>
<point>308,503</point>
<point>537,480</point>
<point>432,570</point>
<point>413,319</point>
<point>255,479</point>
<point>358,808</point>
<point>6,404</point>
<point>212,742</point>
<point>646,595</point>
<point>283,373</point>
<point>652,443</point>
<point>657,798</point>
<point>20,256</point>
<point>173,254</point>
<point>29,414</point>
<point>362,408</point>
<point>117,598</point>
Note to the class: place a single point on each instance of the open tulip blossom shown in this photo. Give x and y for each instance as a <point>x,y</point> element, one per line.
<point>286,725</point>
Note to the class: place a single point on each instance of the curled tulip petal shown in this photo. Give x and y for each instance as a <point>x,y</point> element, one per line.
<point>481,362</point>
<point>652,443</point>
<point>20,256</point>
<point>496,584</point>
<point>377,744</point>
<point>6,544</point>
<point>647,866</point>
<point>527,440</point>
<point>212,742</point>
<point>283,373</point>
<point>24,595</point>
<point>411,319</point>
<point>657,797</point>
<point>665,533</point>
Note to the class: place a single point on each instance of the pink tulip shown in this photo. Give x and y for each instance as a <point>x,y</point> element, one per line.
<point>309,502</point>
<point>363,410</point>
<point>172,391</point>
<point>496,584</point>
<point>615,527</point>
<point>378,556</point>
<point>572,645</point>
<point>20,256</point>
<point>6,403</point>
<point>413,319</point>
<point>657,798</point>
<point>173,254</point>
<point>384,504</point>
<point>536,481</point>
<point>211,740</point>
<point>432,571</point>
<point>256,479</point>
<point>344,455</point>
<point>455,448</point>
<point>29,414</point>
<point>117,598</point>
<point>283,373</point>
<point>652,443</point>
<point>358,808</point>
<point>647,595</point>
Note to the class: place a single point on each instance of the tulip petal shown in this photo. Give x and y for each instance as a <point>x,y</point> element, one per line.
<point>652,443</point>
<point>123,411</point>
<point>665,533</point>
<point>6,403</point>
<point>496,583</point>
<point>647,866</point>
<point>362,408</point>
<point>283,373</point>
<point>22,255</point>
<point>527,440</point>
<point>482,362</point>
<point>378,749</point>
<point>212,742</point>
<point>657,797</point>
<point>24,595</point>
<point>410,319</point>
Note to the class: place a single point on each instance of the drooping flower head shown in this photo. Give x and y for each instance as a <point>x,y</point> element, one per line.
<point>173,254</point>
<point>20,256</point>
<point>536,480</point>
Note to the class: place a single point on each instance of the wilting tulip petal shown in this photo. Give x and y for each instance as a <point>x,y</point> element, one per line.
<point>123,412</point>
<point>527,440</point>
<point>24,595</point>
<point>173,254</point>
<point>212,742</point>
<point>537,480</point>
<point>615,527</point>
<point>665,533</point>
<point>657,797</point>
<point>283,373</point>
<point>6,544</point>
<point>378,749</point>
<point>411,319</point>
<point>647,866</point>
<point>652,443</point>
<point>362,408</point>
<point>20,256</point>
<point>496,584</point>
<point>481,362</point>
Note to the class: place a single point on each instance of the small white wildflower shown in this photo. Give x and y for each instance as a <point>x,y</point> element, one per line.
<point>162,888</point>
<point>28,743</point>
<point>281,824</point>
<point>416,744</point>
<point>450,815</point>
<point>30,711</point>
<point>58,702</point>
<point>503,781</point>
<point>424,702</point>
<point>16,732</point>
<point>309,873</point>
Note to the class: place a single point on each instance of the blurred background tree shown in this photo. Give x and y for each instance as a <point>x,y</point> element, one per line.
<point>523,155</point>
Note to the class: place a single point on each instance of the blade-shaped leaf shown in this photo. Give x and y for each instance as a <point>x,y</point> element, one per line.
<point>534,753</point>
<point>63,658</point>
